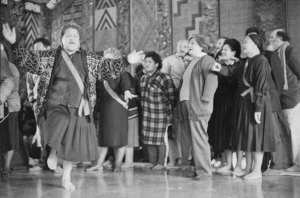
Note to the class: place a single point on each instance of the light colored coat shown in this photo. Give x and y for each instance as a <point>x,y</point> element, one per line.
<point>13,100</point>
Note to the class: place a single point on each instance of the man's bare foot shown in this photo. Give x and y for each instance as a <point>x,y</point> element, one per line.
<point>52,161</point>
<point>272,172</point>
<point>253,175</point>
<point>237,169</point>
<point>295,168</point>
<point>95,168</point>
<point>127,165</point>
<point>225,168</point>
<point>66,184</point>
<point>240,173</point>
<point>58,170</point>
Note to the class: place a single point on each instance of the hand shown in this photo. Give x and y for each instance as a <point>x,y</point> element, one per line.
<point>216,67</point>
<point>257,117</point>
<point>37,138</point>
<point>136,57</point>
<point>128,95</point>
<point>9,34</point>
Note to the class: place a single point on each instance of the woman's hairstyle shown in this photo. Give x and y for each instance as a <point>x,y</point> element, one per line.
<point>256,30</point>
<point>223,37</point>
<point>114,52</point>
<point>202,40</point>
<point>70,25</point>
<point>155,57</point>
<point>45,42</point>
<point>234,45</point>
<point>258,41</point>
<point>283,35</point>
<point>182,41</point>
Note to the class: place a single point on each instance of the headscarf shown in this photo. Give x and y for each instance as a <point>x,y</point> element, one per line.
<point>258,40</point>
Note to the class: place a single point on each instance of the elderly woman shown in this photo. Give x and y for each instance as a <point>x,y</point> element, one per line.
<point>8,87</point>
<point>219,46</point>
<point>196,103</point>
<point>112,97</point>
<point>66,96</point>
<point>254,125</point>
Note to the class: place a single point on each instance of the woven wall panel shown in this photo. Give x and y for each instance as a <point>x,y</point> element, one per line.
<point>293,22</point>
<point>143,23</point>
<point>235,18</point>
<point>195,17</point>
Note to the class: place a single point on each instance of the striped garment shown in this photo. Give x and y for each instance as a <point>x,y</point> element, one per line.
<point>157,98</point>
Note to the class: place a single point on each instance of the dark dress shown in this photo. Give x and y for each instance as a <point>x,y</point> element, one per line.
<point>113,122</point>
<point>220,125</point>
<point>4,133</point>
<point>253,89</point>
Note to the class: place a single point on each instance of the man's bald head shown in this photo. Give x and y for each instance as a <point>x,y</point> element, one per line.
<point>278,37</point>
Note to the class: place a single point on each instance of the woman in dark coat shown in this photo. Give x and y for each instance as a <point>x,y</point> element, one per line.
<point>7,86</point>
<point>113,95</point>
<point>254,125</point>
<point>222,122</point>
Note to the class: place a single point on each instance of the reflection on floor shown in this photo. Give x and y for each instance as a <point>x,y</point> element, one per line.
<point>138,182</point>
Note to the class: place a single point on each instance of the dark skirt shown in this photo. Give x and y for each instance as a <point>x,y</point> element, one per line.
<point>4,136</point>
<point>219,127</point>
<point>234,138</point>
<point>14,133</point>
<point>255,137</point>
<point>73,137</point>
<point>113,124</point>
<point>9,133</point>
<point>133,132</point>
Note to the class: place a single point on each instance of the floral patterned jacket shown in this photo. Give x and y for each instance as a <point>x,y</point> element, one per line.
<point>43,62</point>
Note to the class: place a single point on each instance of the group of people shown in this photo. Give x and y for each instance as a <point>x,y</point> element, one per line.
<point>257,110</point>
<point>185,105</point>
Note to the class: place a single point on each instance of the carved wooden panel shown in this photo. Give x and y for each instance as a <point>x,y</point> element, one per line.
<point>151,26</point>
<point>79,11</point>
<point>123,26</point>
<point>105,24</point>
<point>164,28</point>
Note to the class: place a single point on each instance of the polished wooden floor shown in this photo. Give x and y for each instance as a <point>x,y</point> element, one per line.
<point>144,183</point>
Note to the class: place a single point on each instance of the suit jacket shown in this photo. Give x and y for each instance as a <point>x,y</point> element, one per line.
<point>288,98</point>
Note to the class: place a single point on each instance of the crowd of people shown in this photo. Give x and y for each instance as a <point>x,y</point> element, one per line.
<point>186,111</point>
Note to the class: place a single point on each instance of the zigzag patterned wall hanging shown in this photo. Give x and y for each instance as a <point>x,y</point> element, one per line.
<point>102,4</point>
<point>32,28</point>
<point>107,19</point>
